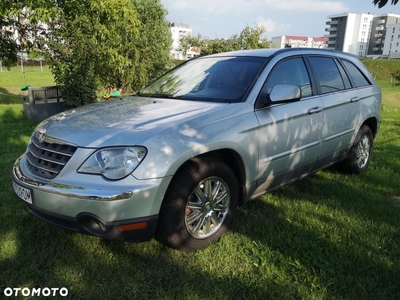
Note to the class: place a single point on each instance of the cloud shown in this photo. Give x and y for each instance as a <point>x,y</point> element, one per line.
<point>215,6</point>
<point>272,26</point>
<point>308,5</point>
<point>239,6</point>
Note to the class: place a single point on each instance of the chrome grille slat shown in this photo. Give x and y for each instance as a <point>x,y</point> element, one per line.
<point>42,146</point>
<point>47,159</point>
<point>34,153</point>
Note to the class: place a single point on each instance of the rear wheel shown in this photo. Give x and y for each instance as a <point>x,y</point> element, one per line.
<point>199,205</point>
<point>359,157</point>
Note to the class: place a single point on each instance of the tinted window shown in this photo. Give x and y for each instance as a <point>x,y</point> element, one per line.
<point>290,71</point>
<point>345,77</point>
<point>222,79</point>
<point>358,77</point>
<point>327,74</point>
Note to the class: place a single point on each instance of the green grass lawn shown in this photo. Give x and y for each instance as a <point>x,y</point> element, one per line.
<point>328,236</point>
<point>12,80</point>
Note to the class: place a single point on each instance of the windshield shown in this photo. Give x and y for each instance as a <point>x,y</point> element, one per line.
<point>219,79</point>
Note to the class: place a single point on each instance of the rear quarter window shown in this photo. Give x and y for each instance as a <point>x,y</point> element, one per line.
<point>357,76</point>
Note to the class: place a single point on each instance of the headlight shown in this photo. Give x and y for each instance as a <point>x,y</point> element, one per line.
<point>114,163</point>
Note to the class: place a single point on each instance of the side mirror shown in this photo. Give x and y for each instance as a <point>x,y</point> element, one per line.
<point>281,93</point>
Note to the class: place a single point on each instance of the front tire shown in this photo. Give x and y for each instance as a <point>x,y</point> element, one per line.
<point>199,205</point>
<point>359,157</point>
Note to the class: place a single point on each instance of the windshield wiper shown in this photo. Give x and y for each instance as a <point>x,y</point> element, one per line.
<point>156,95</point>
<point>160,95</point>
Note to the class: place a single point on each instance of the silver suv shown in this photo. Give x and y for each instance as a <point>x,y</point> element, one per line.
<point>174,161</point>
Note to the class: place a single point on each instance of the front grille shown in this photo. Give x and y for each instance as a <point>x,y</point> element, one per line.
<point>48,159</point>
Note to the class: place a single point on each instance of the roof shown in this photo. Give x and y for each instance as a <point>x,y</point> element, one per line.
<point>295,37</point>
<point>274,51</point>
<point>320,39</point>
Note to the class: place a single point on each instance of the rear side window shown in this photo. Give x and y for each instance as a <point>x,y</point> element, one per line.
<point>357,76</point>
<point>327,73</point>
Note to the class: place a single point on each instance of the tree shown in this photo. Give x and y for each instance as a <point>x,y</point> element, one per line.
<point>9,45</point>
<point>248,38</point>
<point>382,3</point>
<point>85,45</point>
<point>150,52</point>
<point>89,43</point>
<point>186,42</point>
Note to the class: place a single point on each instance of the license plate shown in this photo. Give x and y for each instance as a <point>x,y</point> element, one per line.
<point>24,193</point>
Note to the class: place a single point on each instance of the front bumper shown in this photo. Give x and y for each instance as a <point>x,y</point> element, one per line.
<point>134,230</point>
<point>122,210</point>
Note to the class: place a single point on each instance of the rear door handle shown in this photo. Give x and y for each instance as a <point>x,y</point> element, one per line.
<point>314,110</point>
<point>355,99</point>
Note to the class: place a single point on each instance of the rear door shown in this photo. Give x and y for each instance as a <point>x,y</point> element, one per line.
<point>342,107</point>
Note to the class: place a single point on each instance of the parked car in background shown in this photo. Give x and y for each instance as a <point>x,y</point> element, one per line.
<point>174,161</point>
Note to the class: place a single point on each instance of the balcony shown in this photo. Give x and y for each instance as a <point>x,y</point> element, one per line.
<point>330,35</point>
<point>383,21</point>
<point>330,29</point>
<point>379,28</point>
<point>375,49</point>
<point>378,42</point>
<point>331,42</point>
<point>332,22</point>
<point>378,35</point>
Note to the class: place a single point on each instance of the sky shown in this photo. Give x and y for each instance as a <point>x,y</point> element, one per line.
<point>223,18</point>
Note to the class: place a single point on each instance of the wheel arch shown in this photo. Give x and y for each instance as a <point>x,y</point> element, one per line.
<point>372,123</point>
<point>234,161</point>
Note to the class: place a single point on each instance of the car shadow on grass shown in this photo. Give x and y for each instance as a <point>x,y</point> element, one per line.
<point>341,230</point>
<point>328,235</point>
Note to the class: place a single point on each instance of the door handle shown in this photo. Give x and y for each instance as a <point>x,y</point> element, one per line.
<point>314,110</point>
<point>355,99</point>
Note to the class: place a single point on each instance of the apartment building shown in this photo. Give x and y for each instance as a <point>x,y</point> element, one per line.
<point>178,30</point>
<point>294,41</point>
<point>349,32</point>
<point>383,34</point>
<point>362,34</point>
<point>391,47</point>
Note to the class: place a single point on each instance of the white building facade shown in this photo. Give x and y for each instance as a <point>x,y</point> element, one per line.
<point>364,34</point>
<point>294,41</point>
<point>391,47</point>
<point>349,32</point>
<point>179,30</point>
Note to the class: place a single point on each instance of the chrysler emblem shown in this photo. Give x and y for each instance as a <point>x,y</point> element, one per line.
<point>41,135</point>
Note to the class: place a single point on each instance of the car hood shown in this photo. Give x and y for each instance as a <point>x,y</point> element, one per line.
<point>126,122</point>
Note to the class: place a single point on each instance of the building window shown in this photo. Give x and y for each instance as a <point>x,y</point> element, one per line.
<point>393,30</point>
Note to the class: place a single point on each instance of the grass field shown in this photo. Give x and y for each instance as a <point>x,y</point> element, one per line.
<point>328,236</point>
<point>12,80</point>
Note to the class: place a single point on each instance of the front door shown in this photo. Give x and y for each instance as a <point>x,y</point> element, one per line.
<point>289,133</point>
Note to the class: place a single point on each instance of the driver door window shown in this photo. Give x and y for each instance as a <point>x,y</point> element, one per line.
<point>290,71</point>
